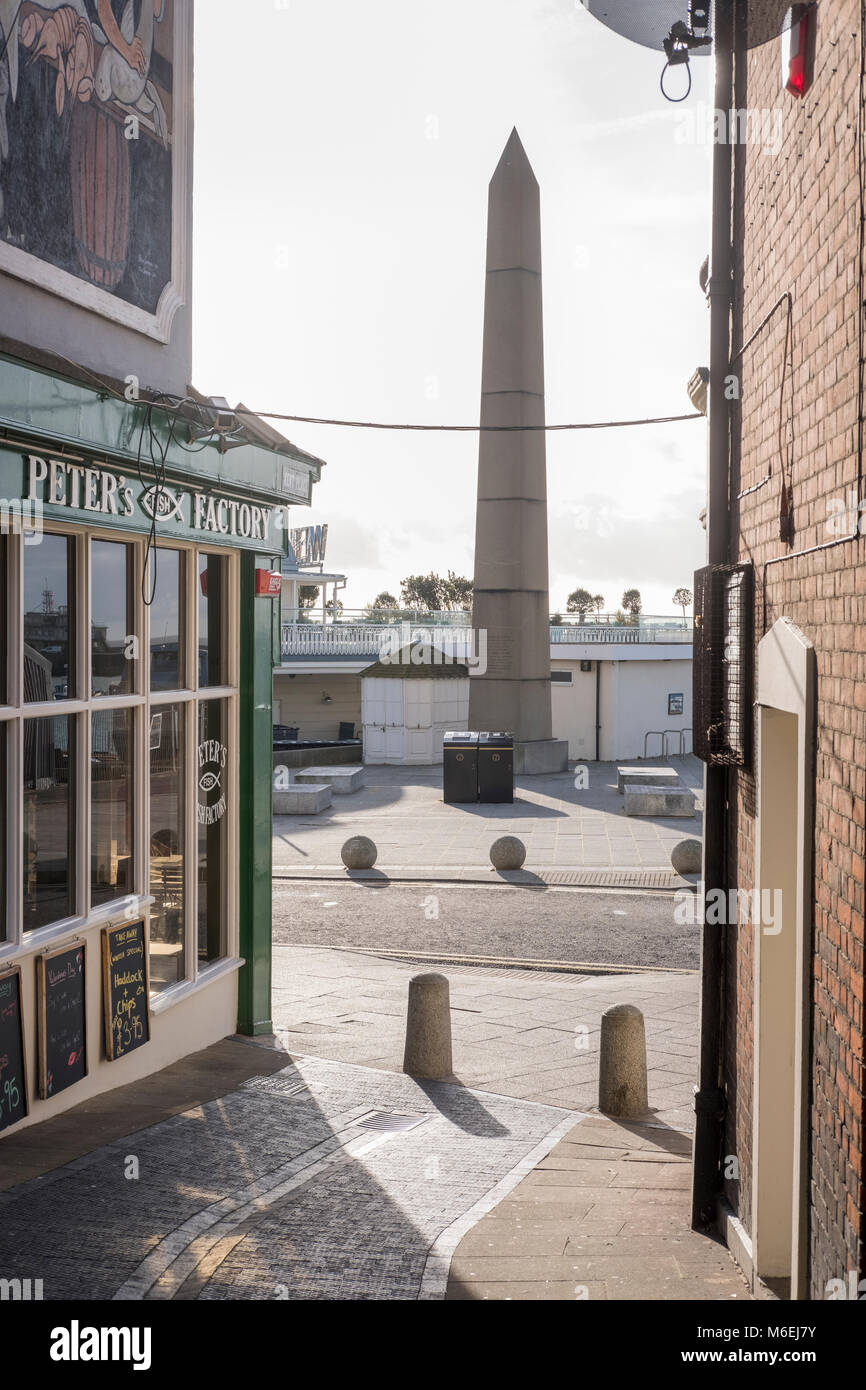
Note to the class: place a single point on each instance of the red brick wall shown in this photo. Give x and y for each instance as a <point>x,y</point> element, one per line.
<point>796,229</point>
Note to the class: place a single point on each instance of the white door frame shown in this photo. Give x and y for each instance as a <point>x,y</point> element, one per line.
<point>786,684</point>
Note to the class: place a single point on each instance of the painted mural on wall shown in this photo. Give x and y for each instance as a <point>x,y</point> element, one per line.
<point>85,140</point>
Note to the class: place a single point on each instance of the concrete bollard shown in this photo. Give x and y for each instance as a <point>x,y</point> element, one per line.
<point>359,852</point>
<point>507,853</point>
<point>428,1028</point>
<point>622,1064</point>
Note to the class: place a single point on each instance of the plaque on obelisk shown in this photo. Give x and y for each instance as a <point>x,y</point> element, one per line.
<point>511,602</point>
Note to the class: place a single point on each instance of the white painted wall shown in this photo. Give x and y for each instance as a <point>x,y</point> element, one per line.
<point>300,702</point>
<point>633,701</point>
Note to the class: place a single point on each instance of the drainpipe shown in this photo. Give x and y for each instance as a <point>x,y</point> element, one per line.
<point>709,1095</point>
<point>597,710</point>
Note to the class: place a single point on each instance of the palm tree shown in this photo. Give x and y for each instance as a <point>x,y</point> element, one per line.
<point>580,603</point>
<point>682,598</point>
<point>631,602</point>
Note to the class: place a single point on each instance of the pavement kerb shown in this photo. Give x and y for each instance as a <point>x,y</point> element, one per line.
<point>488,962</point>
<point>520,878</point>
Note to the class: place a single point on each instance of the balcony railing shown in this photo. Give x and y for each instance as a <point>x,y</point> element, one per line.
<point>597,633</point>
<point>306,641</point>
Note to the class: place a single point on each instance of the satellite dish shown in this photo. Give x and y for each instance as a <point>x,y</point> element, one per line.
<point>649,22</point>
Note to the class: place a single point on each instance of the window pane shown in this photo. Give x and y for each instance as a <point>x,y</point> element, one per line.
<point>4,619</point>
<point>48,595</point>
<point>167,955</point>
<point>111,618</point>
<point>4,896</point>
<point>49,863</point>
<point>166,620</point>
<point>211,776</point>
<point>111,873</point>
<point>212,620</point>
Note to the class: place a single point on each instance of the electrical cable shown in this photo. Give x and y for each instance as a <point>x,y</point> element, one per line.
<point>686,93</point>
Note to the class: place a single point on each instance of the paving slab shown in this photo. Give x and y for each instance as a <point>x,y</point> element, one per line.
<point>277,1190</point>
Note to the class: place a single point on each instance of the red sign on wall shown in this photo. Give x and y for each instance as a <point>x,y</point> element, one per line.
<point>268,583</point>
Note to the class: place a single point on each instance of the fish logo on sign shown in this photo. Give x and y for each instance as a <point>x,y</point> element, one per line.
<point>209,780</point>
<point>161,504</point>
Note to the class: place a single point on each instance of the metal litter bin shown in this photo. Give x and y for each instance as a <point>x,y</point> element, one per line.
<point>459,767</point>
<point>495,767</point>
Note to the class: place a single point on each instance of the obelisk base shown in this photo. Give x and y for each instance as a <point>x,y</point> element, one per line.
<point>540,757</point>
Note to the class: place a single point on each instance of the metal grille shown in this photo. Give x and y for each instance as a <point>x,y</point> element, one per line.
<point>384,1122</point>
<point>722,674</point>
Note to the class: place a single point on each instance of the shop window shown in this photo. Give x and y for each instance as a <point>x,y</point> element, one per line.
<point>113,646</point>
<point>212,774</point>
<point>48,815</point>
<point>5,694</point>
<point>4,896</point>
<point>167,860</point>
<point>213,646</point>
<point>48,586</point>
<point>167,627</point>
<point>111,838</point>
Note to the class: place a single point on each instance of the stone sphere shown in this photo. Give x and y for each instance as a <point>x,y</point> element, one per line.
<point>359,853</point>
<point>507,852</point>
<point>686,857</point>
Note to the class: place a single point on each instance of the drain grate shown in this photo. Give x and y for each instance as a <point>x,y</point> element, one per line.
<point>615,878</point>
<point>383,1122</point>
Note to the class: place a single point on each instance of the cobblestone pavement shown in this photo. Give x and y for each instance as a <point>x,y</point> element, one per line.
<point>278,1190</point>
<point>562,827</point>
<point>526,1033</point>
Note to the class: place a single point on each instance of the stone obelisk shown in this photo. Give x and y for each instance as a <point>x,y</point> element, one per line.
<point>511,601</point>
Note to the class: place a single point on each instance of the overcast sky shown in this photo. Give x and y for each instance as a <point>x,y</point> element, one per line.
<point>343,153</point>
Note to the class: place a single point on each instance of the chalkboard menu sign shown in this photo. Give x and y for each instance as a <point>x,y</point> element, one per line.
<point>126,989</point>
<point>62,1019</point>
<point>13,1072</point>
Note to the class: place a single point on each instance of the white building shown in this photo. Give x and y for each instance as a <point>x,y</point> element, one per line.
<point>618,692</point>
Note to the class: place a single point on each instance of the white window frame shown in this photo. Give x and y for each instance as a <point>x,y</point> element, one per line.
<point>142,703</point>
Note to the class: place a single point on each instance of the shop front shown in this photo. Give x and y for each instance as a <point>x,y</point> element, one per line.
<point>139,625</point>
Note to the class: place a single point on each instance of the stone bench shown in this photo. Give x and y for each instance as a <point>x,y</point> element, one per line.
<point>647,776</point>
<point>341,780</point>
<point>306,800</point>
<point>643,800</point>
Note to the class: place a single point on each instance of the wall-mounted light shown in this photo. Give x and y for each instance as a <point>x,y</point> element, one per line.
<point>326,699</point>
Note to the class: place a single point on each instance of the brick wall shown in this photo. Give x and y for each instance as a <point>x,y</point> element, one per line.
<point>797,230</point>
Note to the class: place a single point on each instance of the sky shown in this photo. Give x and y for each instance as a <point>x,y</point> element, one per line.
<point>343,153</point>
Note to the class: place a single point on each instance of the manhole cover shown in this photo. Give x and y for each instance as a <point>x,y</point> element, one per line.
<point>385,1123</point>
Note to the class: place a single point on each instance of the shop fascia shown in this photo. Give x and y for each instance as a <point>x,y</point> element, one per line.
<point>100,491</point>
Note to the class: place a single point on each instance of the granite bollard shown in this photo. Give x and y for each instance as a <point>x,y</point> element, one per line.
<point>622,1087</point>
<point>359,852</point>
<point>507,853</point>
<point>428,1028</point>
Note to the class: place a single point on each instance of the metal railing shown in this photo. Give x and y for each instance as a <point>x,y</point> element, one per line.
<point>369,639</point>
<point>682,735</point>
<point>598,633</point>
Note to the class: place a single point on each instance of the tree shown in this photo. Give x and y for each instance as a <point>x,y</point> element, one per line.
<point>431,593</point>
<point>421,591</point>
<point>456,591</point>
<point>631,602</point>
<point>598,603</point>
<point>682,598</point>
<point>383,600</point>
<point>580,603</point>
<point>307,595</point>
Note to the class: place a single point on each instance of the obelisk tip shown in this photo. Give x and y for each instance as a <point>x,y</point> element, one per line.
<point>514,160</point>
